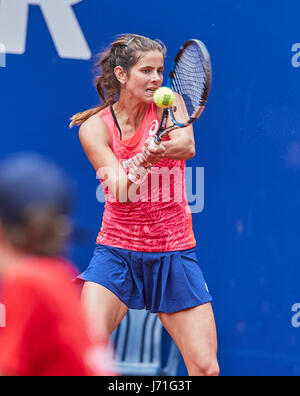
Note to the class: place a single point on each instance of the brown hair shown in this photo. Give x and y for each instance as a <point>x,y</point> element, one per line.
<point>124,52</point>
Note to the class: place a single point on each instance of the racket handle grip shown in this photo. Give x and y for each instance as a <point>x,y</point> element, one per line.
<point>154,143</point>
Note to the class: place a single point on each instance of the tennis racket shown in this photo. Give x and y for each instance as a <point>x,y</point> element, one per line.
<point>190,78</point>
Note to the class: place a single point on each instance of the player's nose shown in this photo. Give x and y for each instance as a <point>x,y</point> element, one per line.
<point>155,76</point>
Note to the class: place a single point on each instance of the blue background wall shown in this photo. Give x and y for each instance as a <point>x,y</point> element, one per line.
<point>248,140</point>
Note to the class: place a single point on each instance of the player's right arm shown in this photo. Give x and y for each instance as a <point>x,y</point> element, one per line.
<point>95,140</point>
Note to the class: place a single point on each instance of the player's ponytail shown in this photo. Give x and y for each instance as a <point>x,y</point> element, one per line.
<point>125,52</point>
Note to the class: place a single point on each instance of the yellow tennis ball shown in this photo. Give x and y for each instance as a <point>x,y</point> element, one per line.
<point>164,97</point>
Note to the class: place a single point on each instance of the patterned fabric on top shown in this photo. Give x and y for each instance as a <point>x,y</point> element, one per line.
<point>160,219</point>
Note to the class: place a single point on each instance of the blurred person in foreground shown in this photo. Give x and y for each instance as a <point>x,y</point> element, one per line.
<point>46,332</point>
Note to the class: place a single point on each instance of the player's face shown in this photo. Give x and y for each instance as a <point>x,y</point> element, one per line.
<point>146,76</point>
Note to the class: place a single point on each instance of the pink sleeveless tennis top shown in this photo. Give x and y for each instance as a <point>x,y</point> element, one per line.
<point>160,218</point>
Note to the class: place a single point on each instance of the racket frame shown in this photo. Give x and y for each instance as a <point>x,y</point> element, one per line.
<point>163,131</point>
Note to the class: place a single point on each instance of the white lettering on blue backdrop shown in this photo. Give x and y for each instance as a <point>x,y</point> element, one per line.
<point>60,18</point>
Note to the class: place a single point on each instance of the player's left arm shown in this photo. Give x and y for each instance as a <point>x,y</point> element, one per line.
<point>181,145</point>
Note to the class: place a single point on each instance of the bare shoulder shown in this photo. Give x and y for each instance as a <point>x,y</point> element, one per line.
<point>93,129</point>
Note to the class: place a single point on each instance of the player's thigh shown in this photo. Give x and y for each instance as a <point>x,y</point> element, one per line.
<point>194,332</point>
<point>104,309</point>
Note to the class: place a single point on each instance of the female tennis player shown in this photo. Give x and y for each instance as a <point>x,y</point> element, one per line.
<point>145,254</point>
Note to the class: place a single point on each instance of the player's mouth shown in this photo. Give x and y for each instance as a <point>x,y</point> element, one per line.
<point>150,92</point>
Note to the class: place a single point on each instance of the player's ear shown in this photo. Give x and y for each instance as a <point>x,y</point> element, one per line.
<point>120,74</point>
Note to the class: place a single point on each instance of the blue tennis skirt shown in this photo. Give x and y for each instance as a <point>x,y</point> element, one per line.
<point>160,282</point>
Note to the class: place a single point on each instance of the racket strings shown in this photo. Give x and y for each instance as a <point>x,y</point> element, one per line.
<point>191,78</point>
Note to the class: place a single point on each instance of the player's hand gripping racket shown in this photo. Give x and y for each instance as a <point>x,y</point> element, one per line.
<point>190,78</point>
